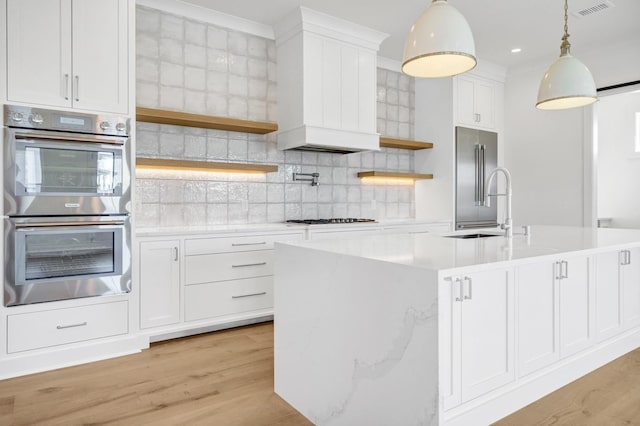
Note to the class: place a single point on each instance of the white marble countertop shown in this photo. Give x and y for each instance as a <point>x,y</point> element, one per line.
<point>437,252</point>
<point>269,227</point>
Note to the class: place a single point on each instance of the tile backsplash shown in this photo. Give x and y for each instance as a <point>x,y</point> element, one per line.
<point>186,65</point>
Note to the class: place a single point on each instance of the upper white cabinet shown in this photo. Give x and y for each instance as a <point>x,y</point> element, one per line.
<point>68,53</point>
<point>555,311</point>
<point>617,277</point>
<point>329,66</point>
<point>479,352</point>
<point>476,101</point>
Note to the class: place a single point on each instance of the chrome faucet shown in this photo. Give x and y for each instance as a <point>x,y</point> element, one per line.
<point>508,222</point>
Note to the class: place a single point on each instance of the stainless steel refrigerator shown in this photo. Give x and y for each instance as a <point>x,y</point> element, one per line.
<point>476,157</point>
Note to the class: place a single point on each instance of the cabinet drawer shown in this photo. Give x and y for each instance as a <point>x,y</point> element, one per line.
<point>229,297</point>
<point>57,327</point>
<point>228,266</point>
<point>237,243</point>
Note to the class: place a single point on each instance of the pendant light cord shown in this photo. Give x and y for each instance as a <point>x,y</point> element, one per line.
<point>565,47</point>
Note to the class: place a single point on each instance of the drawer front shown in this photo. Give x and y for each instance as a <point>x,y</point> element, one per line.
<point>228,266</point>
<point>230,297</point>
<point>237,243</point>
<point>61,326</point>
<point>347,233</point>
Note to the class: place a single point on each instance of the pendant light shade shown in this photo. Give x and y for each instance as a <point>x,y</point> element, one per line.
<point>439,44</point>
<point>567,83</point>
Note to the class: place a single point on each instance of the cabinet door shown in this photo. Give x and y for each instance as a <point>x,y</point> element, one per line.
<point>608,294</point>
<point>159,283</point>
<point>100,55</point>
<point>465,101</point>
<point>39,52</point>
<point>538,339</point>
<point>576,311</point>
<point>484,104</point>
<point>487,332</point>
<point>630,279</point>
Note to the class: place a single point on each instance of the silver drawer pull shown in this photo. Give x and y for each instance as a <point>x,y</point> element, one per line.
<point>249,264</point>
<point>62,327</point>
<point>248,244</point>
<point>249,295</point>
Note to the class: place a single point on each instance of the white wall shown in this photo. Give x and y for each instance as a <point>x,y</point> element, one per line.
<point>544,150</point>
<point>618,164</point>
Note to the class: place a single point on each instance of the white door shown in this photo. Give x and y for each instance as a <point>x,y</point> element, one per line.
<point>159,283</point>
<point>608,294</point>
<point>630,279</point>
<point>487,332</point>
<point>576,310</point>
<point>39,52</point>
<point>100,55</point>
<point>484,100</point>
<point>465,101</point>
<point>537,307</point>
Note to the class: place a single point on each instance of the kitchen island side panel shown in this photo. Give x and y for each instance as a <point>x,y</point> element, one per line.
<point>356,340</point>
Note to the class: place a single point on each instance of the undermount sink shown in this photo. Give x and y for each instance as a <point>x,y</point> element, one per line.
<point>469,236</point>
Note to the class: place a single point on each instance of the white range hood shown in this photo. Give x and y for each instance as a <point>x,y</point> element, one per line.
<point>326,83</point>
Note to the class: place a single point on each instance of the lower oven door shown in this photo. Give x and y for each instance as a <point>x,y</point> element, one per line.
<point>57,258</point>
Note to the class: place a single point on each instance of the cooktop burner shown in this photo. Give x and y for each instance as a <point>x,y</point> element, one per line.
<point>331,221</point>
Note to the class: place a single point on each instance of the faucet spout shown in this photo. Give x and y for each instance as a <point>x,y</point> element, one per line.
<point>508,221</point>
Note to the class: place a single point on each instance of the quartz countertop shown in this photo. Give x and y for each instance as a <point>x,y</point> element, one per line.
<point>437,252</point>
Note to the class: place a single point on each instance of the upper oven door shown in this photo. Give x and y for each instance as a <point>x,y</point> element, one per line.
<point>57,173</point>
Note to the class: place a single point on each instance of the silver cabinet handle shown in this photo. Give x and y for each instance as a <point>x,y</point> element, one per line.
<point>249,264</point>
<point>76,91</point>
<point>248,244</point>
<point>66,87</point>
<point>175,254</point>
<point>62,327</point>
<point>622,256</point>
<point>469,294</point>
<point>565,268</point>
<point>558,270</point>
<point>458,282</point>
<point>628,257</point>
<point>249,295</point>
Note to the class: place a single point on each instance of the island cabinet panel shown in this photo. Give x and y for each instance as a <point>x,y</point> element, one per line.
<point>481,350</point>
<point>556,310</point>
<point>617,280</point>
<point>159,283</point>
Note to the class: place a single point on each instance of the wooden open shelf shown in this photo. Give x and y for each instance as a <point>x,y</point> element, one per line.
<point>386,142</point>
<point>177,118</point>
<point>415,176</point>
<point>161,163</point>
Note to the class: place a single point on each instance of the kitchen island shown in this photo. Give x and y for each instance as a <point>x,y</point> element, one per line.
<point>427,329</point>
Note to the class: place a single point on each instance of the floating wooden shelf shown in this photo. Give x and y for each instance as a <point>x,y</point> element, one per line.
<point>177,118</point>
<point>377,174</point>
<point>161,163</point>
<point>386,142</point>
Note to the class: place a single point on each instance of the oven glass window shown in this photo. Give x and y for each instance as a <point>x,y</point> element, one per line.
<point>69,254</point>
<point>52,170</point>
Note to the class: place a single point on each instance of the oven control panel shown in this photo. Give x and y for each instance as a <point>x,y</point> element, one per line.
<point>38,118</point>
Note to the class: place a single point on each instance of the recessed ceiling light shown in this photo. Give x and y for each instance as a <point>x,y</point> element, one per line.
<point>516,50</point>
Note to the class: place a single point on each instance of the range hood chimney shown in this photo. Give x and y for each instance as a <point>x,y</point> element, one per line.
<point>326,83</point>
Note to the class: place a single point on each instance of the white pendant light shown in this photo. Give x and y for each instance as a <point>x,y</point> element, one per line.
<point>567,83</point>
<point>439,44</point>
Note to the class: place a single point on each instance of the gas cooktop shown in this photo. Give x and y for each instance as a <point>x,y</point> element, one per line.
<point>331,221</point>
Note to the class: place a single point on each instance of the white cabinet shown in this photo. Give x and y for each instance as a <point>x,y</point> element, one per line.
<point>555,311</point>
<point>617,280</point>
<point>159,283</point>
<point>68,53</point>
<point>325,234</point>
<point>476,102</point>
<point>479,351</point>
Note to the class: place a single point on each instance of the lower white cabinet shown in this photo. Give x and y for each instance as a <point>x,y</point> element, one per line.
<point>479,350</point>
<point>35,330</point>
<point>159,283</point>
<point>555,305</point>
<point>617,279</point>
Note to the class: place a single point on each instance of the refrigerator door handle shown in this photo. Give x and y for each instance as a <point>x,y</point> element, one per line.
<point>483,166</point>
<point>478,188</point>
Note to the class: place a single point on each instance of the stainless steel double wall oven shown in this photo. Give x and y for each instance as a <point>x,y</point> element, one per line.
<point>67,200</point>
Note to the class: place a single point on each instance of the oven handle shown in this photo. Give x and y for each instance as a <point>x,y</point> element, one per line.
<point>70,223</point>
<point>74,138</point>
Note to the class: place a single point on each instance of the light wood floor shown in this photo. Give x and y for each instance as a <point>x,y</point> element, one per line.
<point>226,378</point>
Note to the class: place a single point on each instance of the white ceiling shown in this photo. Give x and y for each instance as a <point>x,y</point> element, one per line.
<point>535,26</point>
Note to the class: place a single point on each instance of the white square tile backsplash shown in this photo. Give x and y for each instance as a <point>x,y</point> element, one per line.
<point>190,66</point>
